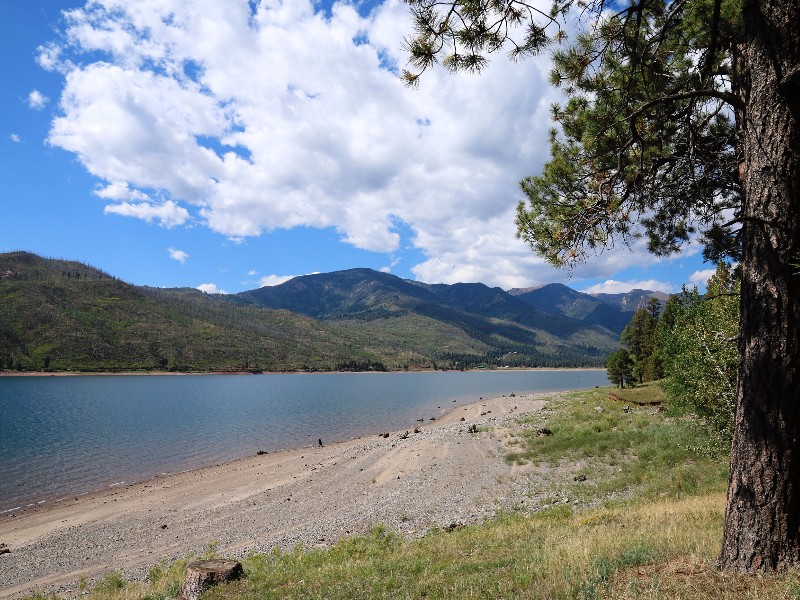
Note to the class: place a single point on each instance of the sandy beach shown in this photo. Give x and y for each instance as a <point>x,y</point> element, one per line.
<point>310,496</point>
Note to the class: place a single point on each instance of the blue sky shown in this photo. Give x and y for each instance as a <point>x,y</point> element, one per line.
<point>225,145</point>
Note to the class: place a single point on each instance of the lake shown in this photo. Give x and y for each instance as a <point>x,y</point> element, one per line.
<point>64,436</point>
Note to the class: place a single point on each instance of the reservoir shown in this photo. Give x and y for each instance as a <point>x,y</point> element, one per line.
<point>64,436</point>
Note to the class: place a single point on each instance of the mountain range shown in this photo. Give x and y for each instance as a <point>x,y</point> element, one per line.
<point>65,315</point>
<point>613,311</point>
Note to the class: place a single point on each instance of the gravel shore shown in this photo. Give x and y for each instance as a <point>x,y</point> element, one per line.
<point>440,476</point>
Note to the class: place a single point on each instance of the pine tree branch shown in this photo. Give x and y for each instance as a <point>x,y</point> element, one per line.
<point>726,97</point>
<point>712,46</point>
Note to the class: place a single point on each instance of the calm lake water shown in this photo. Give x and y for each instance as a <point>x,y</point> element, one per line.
<point>62,436</point>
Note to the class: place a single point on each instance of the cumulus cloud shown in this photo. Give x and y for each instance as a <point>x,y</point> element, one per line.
<point>178,255</point>
<point>270,280</point>
<point>210,288</point>
<point>49,57</point>
<point>167,214</point>
<point>119,190</point>
<point>700,278</point>
<point>284,117</point>
<point>620,287</point>
<point>37,100</point>
<point>15,138</point>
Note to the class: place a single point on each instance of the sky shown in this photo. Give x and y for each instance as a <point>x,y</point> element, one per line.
<point>231,144</point>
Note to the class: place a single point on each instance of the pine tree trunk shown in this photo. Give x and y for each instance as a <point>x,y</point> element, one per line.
<point>762,521</point>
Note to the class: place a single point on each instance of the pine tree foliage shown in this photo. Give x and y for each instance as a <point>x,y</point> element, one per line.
<point>620,368</point>
<point>647,137</point>
<point>639,337</point>
<point>458,35</point>
<point>646,143</point>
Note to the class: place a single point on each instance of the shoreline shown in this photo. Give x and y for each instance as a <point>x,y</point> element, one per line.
<point>243,373</point>
<point>38,489</point>
<point>44,503</point>
<point>310,496</point>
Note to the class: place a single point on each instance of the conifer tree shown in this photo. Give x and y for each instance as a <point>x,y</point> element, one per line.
<point>639,337</point>
<point>682,119</point>
<point>620,368</point>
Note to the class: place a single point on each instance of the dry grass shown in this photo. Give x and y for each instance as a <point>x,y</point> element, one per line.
<point>686,577</point>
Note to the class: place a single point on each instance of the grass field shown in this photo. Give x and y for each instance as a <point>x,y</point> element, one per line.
<point>646,523</point>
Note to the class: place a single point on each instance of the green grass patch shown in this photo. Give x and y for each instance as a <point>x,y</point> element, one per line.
<point>635,451</point>
<point>647,393</point>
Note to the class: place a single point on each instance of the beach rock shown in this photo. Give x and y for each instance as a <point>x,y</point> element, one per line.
<point>4,549</point>
<point>203,574</point>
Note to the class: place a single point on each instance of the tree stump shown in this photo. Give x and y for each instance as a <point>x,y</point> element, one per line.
<point>202,574</point>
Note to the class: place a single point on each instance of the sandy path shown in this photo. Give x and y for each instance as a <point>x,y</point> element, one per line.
<point>311,496</point>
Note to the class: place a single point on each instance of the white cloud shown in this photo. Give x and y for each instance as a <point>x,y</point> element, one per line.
<point>37,100</point>
<point>168,214</point>
<point>270,280</point>
<point>210,288</point>
<point>620,287</point>
<point>279,120</point>
<point>252,272</point>
<point>119,190</point>
<point>700,278</point>
<point>15,138</point>
<point>50,58</point>
<point>178,255</point>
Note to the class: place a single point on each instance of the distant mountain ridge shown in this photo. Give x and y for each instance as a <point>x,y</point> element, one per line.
<point>631,301</point>
<point>613,311</point>
<point>366,295</point>
<point>57,314</point>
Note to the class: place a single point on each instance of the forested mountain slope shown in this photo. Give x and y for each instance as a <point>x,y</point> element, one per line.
<point>64,315</point>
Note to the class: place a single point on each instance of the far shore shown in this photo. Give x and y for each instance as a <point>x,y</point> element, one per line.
<point>441,474</point>
<point>178,373</point>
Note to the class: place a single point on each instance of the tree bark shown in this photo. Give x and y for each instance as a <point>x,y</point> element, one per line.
<point>202,574</point>
<point>762,521</point>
